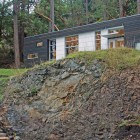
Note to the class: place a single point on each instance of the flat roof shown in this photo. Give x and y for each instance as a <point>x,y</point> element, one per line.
<point>86,28</point>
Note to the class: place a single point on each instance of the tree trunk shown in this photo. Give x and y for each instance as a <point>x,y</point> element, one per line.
<point>72,13</point>
<point>21,33</point>
<point>105,10</point>
<point>52,14</point>
<point>16,36</point>
<point>1,21</point>
<point>121,8</point>
<point>86,5</point>
<point>138,6</point>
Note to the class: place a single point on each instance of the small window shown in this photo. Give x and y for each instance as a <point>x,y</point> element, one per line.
<point>39,44</point>
<point>32,56</point>
<point>71,44</point>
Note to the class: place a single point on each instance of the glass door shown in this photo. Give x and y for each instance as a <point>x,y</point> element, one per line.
<point>52,50</point>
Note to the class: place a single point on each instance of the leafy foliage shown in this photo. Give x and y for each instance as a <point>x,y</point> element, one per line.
<point>6,29</point>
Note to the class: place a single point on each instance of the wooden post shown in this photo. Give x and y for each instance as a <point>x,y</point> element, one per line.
<point>16,35</point>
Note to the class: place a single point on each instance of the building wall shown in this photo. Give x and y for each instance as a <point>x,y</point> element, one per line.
<point>30,47</point>
<point>87,41</point>
<point>104,40</point>
<point>60,48</point>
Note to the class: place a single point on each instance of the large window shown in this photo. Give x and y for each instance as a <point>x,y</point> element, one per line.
<point>118,32</point>
<point>71,44</point>
<point>116,37</point>
<point>98,40</point>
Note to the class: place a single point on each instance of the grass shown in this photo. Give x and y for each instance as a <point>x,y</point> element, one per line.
<point>3,83</point>
<point>117,59</point>
<point>11,72</point>
<point>4,77</point>
<point>130,122</point>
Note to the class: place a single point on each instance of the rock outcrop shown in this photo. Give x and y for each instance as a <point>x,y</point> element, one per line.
<point>73,100</point>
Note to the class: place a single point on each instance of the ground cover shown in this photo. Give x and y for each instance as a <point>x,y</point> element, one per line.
<point>5,74</point>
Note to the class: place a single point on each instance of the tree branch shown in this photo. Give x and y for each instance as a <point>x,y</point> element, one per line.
<point>40,14</point>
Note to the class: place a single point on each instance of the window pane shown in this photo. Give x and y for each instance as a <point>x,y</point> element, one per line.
<point>39,44</point>
<point>52,49</point>
<point>71,44</point>
<point>71,50</point>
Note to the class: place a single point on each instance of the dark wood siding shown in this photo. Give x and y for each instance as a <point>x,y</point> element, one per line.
<point>132,32</point>
<point>30,47</point>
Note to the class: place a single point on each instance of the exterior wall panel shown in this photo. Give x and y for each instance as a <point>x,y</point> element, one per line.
<point>87,41</point>
<point>60,48</point>
<point>104,40</point>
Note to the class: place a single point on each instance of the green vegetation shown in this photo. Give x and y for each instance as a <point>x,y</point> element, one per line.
<point>130,122</point>
<point>4,77</point>
<point>117,59</point>
<point>44,64</point>
<point>11,72</point>
<point>3,83</point>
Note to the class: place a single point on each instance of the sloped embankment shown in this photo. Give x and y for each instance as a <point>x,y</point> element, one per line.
<point>73,99</point>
